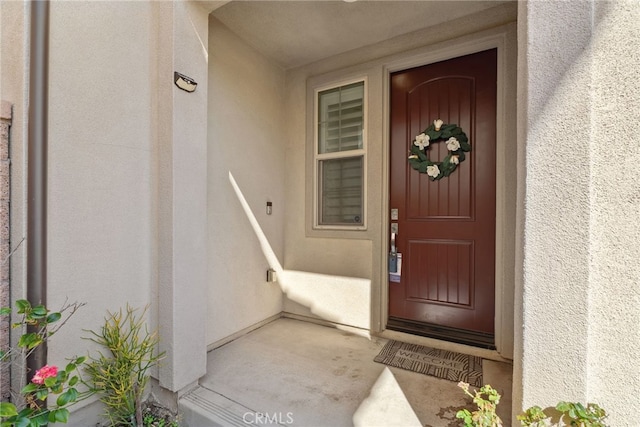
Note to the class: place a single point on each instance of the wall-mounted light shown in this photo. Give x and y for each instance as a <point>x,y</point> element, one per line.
<point>183,82</point>
<point>269,208</point>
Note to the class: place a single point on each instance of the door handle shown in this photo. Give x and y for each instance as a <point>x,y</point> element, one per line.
<point>393,255</point>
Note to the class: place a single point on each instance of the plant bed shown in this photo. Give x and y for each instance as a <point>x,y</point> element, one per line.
<point>156,415</point>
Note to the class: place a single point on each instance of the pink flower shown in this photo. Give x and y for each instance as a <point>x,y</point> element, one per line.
<point>43,373</point>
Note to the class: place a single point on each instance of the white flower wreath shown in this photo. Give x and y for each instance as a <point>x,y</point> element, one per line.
<point>457,144</point>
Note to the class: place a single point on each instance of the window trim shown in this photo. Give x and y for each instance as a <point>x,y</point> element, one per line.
<point>317,158</point>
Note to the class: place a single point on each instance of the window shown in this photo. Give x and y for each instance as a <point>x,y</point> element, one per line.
<point>339,157</point>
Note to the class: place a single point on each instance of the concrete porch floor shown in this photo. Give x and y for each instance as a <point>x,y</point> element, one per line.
<point>291,372</point>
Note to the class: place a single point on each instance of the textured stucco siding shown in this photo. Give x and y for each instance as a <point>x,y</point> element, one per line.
<point>5,290</point>
<point>614,295</point>
<point>580,297</point>
<point>100,152</point>
<point>246,164</point>
<point>557,197</point>
<point>111,121</point>
<point>13,78</point>
<point>179,178</point>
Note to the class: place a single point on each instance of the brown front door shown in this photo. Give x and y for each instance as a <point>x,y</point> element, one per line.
<point>446,228</point>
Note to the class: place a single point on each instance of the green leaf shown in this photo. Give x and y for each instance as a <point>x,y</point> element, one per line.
<point>23,305</point>
<point>29,340</point>
<point>80,360</point>
<point>463,413</point>
<point>50,381</point>
<point>39,311</point>
<point>41,420</point>
<point>73,381</point>
<point>23,422</point>
<point>433,134</point>
<point>53,317</point>
<point>462,138</point>
<point>67,397</point>
<point>29,388</point>
<point>5,311</point>
<point>42,394</point>
<point>60,415</point>
<point>25,413</point>
<point>8,410</point>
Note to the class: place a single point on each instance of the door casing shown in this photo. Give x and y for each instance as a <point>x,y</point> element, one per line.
<point>503,331</point>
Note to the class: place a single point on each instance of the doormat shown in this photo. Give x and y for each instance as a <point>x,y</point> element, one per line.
<point>444,364</point>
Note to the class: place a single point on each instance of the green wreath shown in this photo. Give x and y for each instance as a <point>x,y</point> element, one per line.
<point>457,144</point>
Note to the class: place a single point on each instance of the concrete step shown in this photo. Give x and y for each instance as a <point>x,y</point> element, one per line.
<point>205,408</point>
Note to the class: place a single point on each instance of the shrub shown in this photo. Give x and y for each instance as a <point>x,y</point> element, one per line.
<point>121,374</point>
<point>567,413</point>
<point>52,390</point>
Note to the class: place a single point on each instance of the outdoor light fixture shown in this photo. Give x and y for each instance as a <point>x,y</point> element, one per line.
<point>183,82</point>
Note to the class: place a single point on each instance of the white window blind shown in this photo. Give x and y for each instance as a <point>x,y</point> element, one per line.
<point>341,119</point>
<point>341,190</point>
<point>340,156</point>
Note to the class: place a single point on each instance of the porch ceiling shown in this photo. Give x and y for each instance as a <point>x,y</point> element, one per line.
<point>295,33</point>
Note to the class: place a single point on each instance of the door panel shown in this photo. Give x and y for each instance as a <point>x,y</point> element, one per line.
<point>447,197</point>
<point>441,271</point>
<point>446,227</point>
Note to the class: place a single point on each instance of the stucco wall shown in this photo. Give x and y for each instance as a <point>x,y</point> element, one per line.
<point>125,147</point>
<point>180,189</point>
<point>246,148</point>
<point>557,201</point>
<point>614,294</point>
<point>578,123</point>
<point>5,249</point>
<point>100,159</point>
<point>13,75</point>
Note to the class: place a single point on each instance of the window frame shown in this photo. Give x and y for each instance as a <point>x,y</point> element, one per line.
<point>357,153</point>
